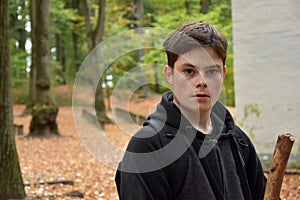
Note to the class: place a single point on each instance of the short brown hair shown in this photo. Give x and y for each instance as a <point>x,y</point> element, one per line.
<point>191,35</point>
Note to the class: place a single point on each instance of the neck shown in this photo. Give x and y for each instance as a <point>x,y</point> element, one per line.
<point>205,125</point>
<point>202,123</point>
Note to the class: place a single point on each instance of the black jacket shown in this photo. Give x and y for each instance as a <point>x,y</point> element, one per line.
<point>168,159</point>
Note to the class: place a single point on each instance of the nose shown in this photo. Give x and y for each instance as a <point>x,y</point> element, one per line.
<point>200,81</point>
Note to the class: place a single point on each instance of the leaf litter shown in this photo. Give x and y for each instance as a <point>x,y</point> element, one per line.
<point>65,159</point>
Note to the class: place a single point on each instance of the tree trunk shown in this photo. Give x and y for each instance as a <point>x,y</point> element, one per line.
<point>94,37</point>
<point>44,112</point>
<point>32,78</point>
<point>188,7</point>
<point>88,25</point>
<point>63,64</point>
<point>22,32</point>
<point>204,6</point>
<point>60,57</point>
<point>58,44</point>
<point>156,77</point>
<point>11,182</point>
<point>76,53</point>
<point>75,5</point>
<point>138,13</point>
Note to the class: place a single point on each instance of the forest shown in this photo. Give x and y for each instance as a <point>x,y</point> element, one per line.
<point>76,27</point>
<point>45,46</point>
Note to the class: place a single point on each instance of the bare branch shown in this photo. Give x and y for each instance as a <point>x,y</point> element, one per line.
<point>281,155</point>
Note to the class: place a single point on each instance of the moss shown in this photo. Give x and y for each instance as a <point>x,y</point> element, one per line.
<point>43,83</point>
<point>44,120</point>
<point>253,110</point>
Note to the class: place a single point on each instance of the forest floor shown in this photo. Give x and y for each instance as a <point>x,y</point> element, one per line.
<point>71,156</point>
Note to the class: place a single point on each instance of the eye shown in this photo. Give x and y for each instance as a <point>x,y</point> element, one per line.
<point>212,71</point>
<point>189,71</point>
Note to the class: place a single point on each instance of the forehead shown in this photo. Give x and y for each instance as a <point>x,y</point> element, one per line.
<point>200,57</point>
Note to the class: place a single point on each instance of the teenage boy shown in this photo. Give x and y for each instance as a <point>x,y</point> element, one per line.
<point>190,148</point>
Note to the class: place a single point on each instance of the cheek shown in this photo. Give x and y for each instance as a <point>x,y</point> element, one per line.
<point>179,81</point>
<point>182,84</point>
<point>215,88</point>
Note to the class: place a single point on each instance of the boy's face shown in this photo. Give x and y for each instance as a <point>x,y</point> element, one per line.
<point>197,79</point>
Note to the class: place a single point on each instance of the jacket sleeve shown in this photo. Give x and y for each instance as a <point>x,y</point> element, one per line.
<point>133,184</point>
<point>144,186</point>
<point>254,171</point>
<point>256,178</point>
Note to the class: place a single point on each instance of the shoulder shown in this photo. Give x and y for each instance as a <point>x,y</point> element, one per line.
<point>145,152</point>
<point>246,146</point>
<point>241,136</point>
<point>243,139</point>
<point>147,139</point>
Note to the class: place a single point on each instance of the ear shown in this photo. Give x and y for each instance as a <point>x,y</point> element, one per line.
<point>224,72</point>
<point>169,74</point>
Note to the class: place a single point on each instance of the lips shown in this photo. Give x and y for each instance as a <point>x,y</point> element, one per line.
<point>202,95</point>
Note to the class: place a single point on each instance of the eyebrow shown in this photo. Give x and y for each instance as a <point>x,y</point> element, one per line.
<point>193,66</point>
<point>216,65</point>
<point>187,65</point>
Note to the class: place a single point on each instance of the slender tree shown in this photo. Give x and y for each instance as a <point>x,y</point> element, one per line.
<point>32,74</point>
<point>60,55</point>
<point>204,6</point>
<point>138,14</point>
<point>74,4</point>
<point>11,182</point>
<point>44,111</point>
<point>94,37</point>
<point>187,4</point>
<point>17,22</point>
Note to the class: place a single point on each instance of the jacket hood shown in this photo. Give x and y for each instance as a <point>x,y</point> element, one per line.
<point>169,114</point>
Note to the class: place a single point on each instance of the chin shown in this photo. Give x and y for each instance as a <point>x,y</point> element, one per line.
<point>205,108</point>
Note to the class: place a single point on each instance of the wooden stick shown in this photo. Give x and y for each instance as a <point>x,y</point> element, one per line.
<point>52,182</point>
<point>281,155</point>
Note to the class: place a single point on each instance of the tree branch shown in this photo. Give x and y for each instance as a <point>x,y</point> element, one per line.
<point>281,155</point>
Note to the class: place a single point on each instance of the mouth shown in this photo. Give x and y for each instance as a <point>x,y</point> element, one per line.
<point>202,95</point>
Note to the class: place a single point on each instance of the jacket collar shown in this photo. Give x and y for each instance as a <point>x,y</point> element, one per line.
<point>167,113</point>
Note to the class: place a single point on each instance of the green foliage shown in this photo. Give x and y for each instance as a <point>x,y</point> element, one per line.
<point>61,17</point>
<point>56,74</point>
<point>170,14</point>
<point>67,21</point>
<point>124,64</point>
<point>18,14</point>
<point>167,14</point>
<point>18,65</point>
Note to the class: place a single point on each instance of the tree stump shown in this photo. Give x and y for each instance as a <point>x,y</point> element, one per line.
<point>44,120</point>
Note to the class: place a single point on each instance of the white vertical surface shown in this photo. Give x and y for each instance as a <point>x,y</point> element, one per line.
<point>266,44</point>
